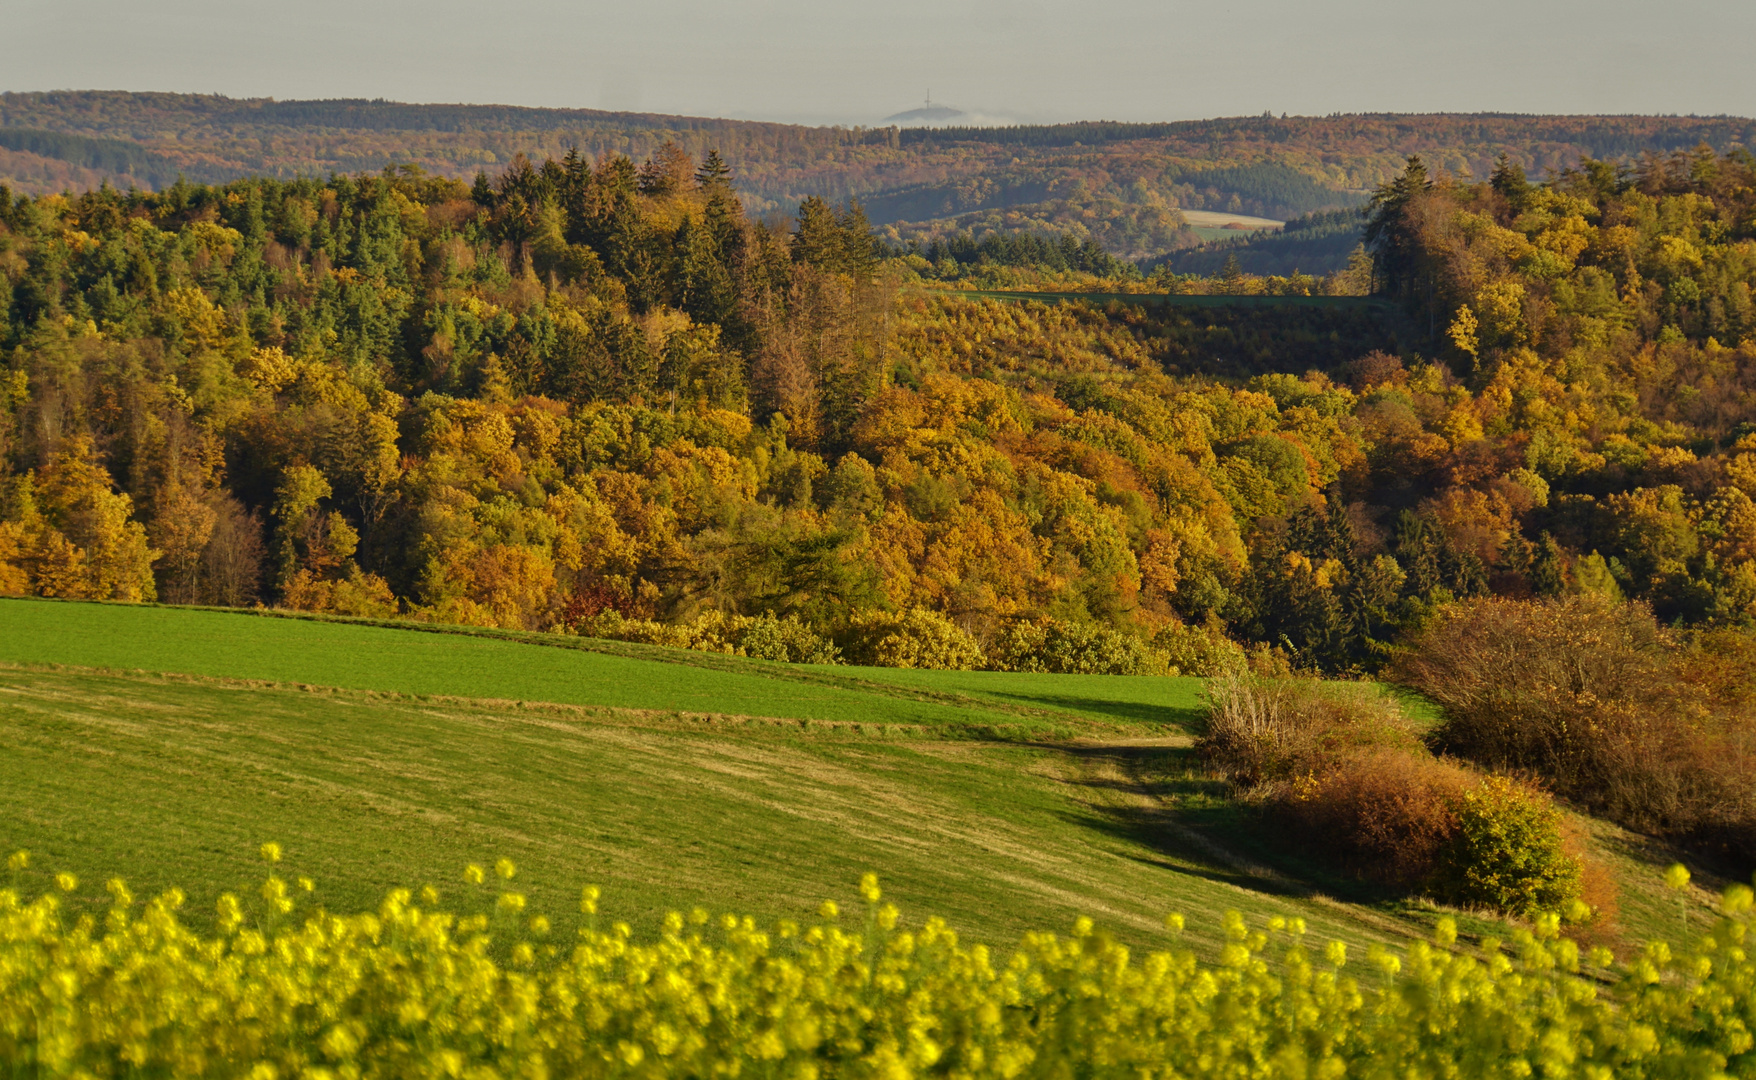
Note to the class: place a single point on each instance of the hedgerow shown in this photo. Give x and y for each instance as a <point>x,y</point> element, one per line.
<point>411,990</point>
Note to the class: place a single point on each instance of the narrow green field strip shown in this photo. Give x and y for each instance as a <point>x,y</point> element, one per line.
<point>1108,700</point>
<point>1173,704</point>
<point>417,658</point>
<point>358,657</point>
<point>1366,303</point>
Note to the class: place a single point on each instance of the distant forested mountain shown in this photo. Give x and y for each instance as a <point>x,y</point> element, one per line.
<point>1114,184</point>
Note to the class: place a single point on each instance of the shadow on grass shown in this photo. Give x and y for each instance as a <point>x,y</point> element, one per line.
<point>1195,824</point>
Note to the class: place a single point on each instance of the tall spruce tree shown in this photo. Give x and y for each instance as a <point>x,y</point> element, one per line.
<point>1390,233</point>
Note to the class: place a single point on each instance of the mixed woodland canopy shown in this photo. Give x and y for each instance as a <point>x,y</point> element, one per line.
<point>598,395</point>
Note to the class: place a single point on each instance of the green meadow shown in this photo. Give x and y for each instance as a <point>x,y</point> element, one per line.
<point>165,745</point>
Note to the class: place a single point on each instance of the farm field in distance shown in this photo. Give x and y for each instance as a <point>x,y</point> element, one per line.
<point>1218,225</point>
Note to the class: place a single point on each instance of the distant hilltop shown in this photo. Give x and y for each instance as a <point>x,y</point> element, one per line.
<point>935,163</point>
<point>931,115</point>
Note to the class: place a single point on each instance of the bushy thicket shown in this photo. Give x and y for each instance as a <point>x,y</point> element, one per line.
<point>909,639</point>
<point>1610,708</point>
<point>1339,765</point>
<point>764,637</point>
<point>912,639</point>
<point>1264,730</point>
<point>1076,649</point>
<point>1385,816</point>
<point>413,990</point>
<point>1509,851</point>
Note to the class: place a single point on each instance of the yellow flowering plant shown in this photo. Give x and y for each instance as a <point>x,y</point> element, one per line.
<point>408,991</point>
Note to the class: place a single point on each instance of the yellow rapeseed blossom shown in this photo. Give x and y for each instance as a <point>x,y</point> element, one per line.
<point>410,991</point>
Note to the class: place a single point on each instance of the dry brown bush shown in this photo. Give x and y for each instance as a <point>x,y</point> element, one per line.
<point>1402,818</point>
<point>1596,698</point>
<point>1261,730</point>
<point>1343,768</point>
<point>1387,815</point>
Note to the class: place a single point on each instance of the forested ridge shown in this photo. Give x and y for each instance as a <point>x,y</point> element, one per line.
<point>598,396</point>
<point>1116,184</point>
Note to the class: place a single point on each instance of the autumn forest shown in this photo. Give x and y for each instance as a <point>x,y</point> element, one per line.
<point>599,395</point>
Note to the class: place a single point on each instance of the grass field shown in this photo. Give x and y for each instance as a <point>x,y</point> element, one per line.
<point>1217,219</point>
<point>176,782</point>
<point>1212,224</point>
<point>170,743</point>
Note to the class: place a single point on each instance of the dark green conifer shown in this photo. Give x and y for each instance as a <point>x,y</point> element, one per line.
<point>713,171</point>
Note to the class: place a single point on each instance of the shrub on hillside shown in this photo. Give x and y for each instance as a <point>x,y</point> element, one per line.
<point>764,637</point>
<point>1408,819</point>
<point>1262,729</point>
<point>788,640</point>
<point>1199,650</point>
<point>1387,815</point>
<point>706,633</point>
<point>1346,772</point>
<point>911,639</point>
<point>1075,649</point>
<point>1508,851</point>
<point>1596,698</point>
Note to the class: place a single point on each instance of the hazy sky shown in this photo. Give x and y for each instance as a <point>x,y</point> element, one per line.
<point>830,61</point>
